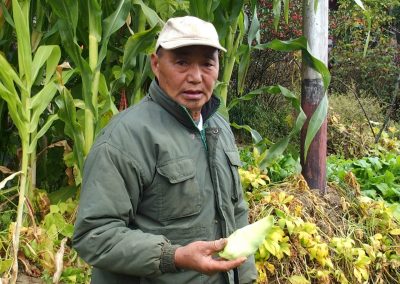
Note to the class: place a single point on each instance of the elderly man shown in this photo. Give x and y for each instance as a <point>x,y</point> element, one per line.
<point>161,189</point>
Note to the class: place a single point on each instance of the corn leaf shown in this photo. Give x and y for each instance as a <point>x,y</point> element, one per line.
<point>256,137</point>
<point>243,67</point>
<point>8,19</point>
<point>275,151</point>
<point>67,13</point>
<point>21,16</point>
<point>40,102</point>
<point>300,44</point>
<point>42,132</point>
<point>151,16</point>
<point>112,24</point>
<point>252,94</point>
<point>315,123</point>
<point>67,113</point>
<point>14,106</point>
<point>232,8</point>
<point>138,43</point>
<point>254,31</point>
<point>109,104</point>
<point>276,10</point>
<point>202,9</point>
<point>50,54</point>
<point>8,75</point>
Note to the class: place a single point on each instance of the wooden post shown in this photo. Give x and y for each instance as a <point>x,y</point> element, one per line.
<point>315,29</point>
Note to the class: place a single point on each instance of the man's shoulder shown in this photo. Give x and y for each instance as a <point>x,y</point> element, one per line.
<point>129,122</point>
<point>217,120</point>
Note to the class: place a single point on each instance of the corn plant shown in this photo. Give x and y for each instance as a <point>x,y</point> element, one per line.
<point>26,105</point>
<point>135,69</point>
<point>97,100</point>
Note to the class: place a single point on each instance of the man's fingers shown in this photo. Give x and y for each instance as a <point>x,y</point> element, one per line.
<point>226,265</point>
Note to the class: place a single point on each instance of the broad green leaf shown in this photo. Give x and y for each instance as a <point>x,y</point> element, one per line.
<point>256,137</point>
<point>278,148</point>
<point>40,102</point>
<point>14,107</point>
<point>104,92</point>
<point>202,9</point>
<point>7,17</point>
<point>138,43</point>
<point>8,75</point>
<point>243,67</point>
<point>46,53</point>
<point>42,132</point>
<point>276,10</point>
<point>254,31</point>
<point>300,44</point>
<point>369,21</point>
<point>21,20</point>
<point>62,194</point>
<point>67,113</point>
<point>112,24</point>
<point>315,123</point>
<point>296,103</point>
<point>232,8</point>
<point>252,94</point>
<point>150,14</point>
<point>67,13</point>
<point>275,151</point>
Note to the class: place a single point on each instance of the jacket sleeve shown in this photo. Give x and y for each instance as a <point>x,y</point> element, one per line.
<point>247,271</point>
<point>105,235</point>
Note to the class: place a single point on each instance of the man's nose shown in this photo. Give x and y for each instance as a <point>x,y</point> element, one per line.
<point>194,73</point>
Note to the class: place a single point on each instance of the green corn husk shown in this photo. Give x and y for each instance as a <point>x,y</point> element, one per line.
<point>245,241</point>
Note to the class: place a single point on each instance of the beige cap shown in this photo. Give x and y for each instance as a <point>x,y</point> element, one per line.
<point>188,30</point>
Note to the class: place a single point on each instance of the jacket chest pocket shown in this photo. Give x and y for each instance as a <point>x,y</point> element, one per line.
<point>234,164</point>
<point>179,192</point>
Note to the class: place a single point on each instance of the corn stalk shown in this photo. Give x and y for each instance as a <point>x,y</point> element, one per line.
<point>68,13</point>
<point>25,106</point>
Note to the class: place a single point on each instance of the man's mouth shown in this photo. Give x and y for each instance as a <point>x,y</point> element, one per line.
<point>192,94</point>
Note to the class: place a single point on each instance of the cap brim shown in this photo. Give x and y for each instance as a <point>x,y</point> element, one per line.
<point>189,42</point>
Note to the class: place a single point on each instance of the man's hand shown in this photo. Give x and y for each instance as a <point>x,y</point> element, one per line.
<point>199,256</point>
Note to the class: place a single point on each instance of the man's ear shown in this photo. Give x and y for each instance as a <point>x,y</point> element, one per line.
<point>154,64</point>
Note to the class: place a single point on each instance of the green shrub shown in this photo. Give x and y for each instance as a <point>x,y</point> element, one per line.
<point>350,109</point>
<point>269,121</point>
<point>349,133</point>
<point>376,71</point>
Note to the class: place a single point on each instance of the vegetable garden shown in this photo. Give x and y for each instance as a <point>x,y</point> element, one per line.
<point>67,67</point>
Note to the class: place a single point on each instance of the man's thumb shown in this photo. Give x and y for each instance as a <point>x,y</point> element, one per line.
<point>219,244</point>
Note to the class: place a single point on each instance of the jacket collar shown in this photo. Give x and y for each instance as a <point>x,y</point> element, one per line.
<point>179,111</point>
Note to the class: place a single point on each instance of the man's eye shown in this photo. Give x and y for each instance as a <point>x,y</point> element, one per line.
<point>181,63</point>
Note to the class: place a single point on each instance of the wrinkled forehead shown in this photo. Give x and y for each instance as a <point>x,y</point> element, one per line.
<point>196,51</point>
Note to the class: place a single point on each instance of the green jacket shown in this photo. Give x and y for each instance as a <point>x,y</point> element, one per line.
<point>153,182</point>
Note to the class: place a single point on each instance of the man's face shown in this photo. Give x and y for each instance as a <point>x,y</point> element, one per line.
<point>187,75</point>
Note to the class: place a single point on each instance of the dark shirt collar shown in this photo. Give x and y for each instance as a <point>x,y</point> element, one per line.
<point>179,111</point>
